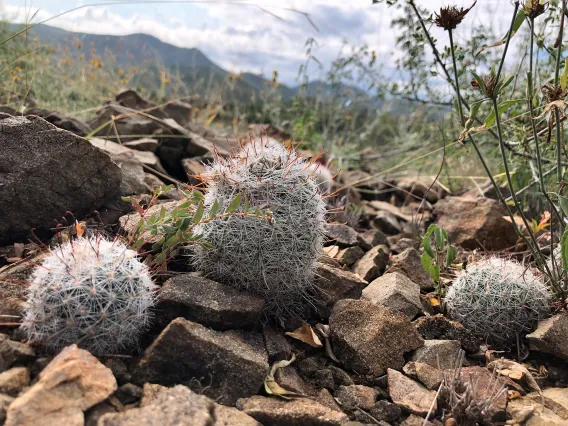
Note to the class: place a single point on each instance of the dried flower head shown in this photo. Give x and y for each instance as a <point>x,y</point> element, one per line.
<point>554,92</point>
<point>489,84</point>
<point>450,16</point>
<point>534,8</point>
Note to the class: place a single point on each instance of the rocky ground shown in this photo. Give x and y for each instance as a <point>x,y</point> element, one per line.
<point>375,348</point>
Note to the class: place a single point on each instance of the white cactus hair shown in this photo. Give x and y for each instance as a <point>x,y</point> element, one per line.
<point>275,258</point>
<point>499,300</point>
<point>90,291</point>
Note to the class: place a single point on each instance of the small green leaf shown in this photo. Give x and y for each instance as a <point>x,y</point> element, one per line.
<point>451,255</point>
<point>479,81</point>
<point>564,76</point>
<point>214,209</point>
<point>501,108</point>
<point>564,249</point>
<point>563,204</point>
<point>426,262</point>
<point>158,243</point>
<point>435,273</point>
<point>198,213</point>
<point>439,238</point>
<point>234,204</point>
<point>427,247</point>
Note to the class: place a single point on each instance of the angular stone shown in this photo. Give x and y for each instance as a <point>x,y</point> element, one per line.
<point>357,396</point>
<point>387,223</point>
<point>12,381</point>
<point>5,402</point>
<point>408,394</point>
<point>232,364</point>
<point>300,411</point>
<point>209,303</point>
<point>395,291</point>
<point>438,353</point>
<point>115,150</point>
<point>276,345</point>
<point>193,168</point>
<point>333,284</point>
<point>72,383</point>
<point>127,125</point>
<point>386,411</point>
<point>349,255</point>
<point>484,389</point>
<point>373,263</point>
<point>178,110</point>
<point>12,352</point>
<point>402,244</point>
<point>128,393</point>
<point>540,416</point>
<point>63,122</point>
<point>421,187</point>
<point>343,235</point>
<point>45,172</point>
<point>475,223</point>
<point>370,338</point>
<point>429,376</point>
<point>372,238</point>
<point>551,336</point>
<point>144,144</point>
<point>408,262</point>
<point>178,406</point>
<point>440,327</point>
<point>132,99</point>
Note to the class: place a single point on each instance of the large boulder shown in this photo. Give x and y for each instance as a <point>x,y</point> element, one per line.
<point>45,172</point>
<point>370,338</point>
<point>475,223</point>
<point>72,382</point>
<point>230,365</point>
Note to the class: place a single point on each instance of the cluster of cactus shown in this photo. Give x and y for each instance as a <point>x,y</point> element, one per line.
<point>275,258</point>
<point>498,300</point>
<point>92,292</point>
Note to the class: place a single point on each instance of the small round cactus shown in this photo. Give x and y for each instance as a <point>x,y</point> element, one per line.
<point>498,300</point>
<point>275,258</point>
<point>92,292</point>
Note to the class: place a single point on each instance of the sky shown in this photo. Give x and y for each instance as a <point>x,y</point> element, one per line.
<point>251,35</point>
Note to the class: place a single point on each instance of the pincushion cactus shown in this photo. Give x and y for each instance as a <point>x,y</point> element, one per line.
<point>498,300</point>
<point>273,258</point>
<point>92,292</point>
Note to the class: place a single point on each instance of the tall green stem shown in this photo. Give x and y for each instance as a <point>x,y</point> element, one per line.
<point>556,110</point>
<point>457,82</point>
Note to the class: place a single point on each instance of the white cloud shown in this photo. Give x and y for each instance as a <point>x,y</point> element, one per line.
<point>270,36</point>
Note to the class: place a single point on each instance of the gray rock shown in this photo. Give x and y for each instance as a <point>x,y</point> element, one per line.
<point>276,345</point>
<point>373,263</point>
<point>63,122</point>
<point>300,411</point>
<point>370,338</point>
<point>402,244</point>
<point>5,402</point>
<point>395,291</point>
<point>12,352</point>
<point>343,235</point>
<point>127,125</point>
<point>475,223</point>
<point>408,262</point>
<point>231,364</point>
<point>128,393</point>
<point>178,110</point>
<point>333,284</point>
<point>178,406</point>
<point>387,222</point>
<point>386,411</point>
<point>357,396</point>
<point>349,255</point>
<point>551,336</point>
<point>372,238</point>
<point>440,327</point>
<point>12,381</point>
<point>144,144</point>
<point>408,394</point>
<point>438,353</point>
<point>114,149</point>
<point>45,172</point>
<point>209,303</point>
<point>429,376</point>
<point>193,167</point>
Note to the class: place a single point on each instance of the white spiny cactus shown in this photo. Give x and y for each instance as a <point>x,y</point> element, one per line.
<point>498,300</point>
<point>272,258</point>
<point>92,292</point>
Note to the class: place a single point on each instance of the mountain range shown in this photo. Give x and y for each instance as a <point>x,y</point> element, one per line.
<point>193,66</point>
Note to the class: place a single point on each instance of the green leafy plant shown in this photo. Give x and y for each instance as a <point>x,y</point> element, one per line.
<point>171,228</point>
<point>438,256</point>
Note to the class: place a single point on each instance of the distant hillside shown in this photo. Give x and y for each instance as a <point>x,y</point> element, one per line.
<point>195,68</point>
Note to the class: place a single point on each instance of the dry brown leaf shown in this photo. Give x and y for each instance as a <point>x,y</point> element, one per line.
<point>513,370</point>
<point>513,394</point>
<point>80,228</point>
<point>548,107</point>
<point>306,334</point>
<point>272,387</point>
<point>434,301</point>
